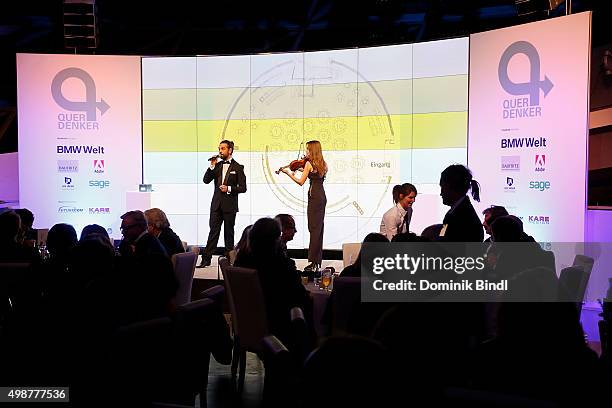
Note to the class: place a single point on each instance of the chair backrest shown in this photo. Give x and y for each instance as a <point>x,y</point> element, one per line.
<point>224,263</point>
<point>247,305</point>
<point>184,268</point>
<point>350,252</point>
<point>347,294</point>
<point>232,256</point>
<point>211,324</point>
<point>141,358</point>
<point>215,293</point>
<point>191,320</point>
<point>584,262</point>
<point>191,248</point>
<point>196,323</point>
<point>549,261</point>
<point>573,282</point>
<point>194,311</point>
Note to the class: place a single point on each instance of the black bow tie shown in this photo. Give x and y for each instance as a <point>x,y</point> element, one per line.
<point>225,162</point>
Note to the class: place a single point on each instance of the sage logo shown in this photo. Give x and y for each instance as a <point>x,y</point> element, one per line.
<point>540,162</point>
<point>510,163</point>
<point>99,166</point>
<point>101,184</point>
<point>67,166</point>
<point>88,105</point>
<point>523,107</point>
<point>539,185</point>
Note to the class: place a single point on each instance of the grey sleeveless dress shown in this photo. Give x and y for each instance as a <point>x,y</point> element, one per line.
<point>316,215</point>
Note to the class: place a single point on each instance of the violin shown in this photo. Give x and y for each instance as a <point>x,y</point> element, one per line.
<point>294,165</point>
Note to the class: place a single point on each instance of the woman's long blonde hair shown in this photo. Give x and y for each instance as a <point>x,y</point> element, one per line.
<point>316,157</point>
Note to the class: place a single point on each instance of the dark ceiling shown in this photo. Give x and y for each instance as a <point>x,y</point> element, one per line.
<point>181,27</point>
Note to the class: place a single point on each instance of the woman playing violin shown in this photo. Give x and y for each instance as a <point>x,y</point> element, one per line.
<point>315,170</point>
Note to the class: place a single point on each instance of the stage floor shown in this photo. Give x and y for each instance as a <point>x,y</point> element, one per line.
<point>210,272</point>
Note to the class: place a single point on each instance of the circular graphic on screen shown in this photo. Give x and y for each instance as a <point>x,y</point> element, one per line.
<point>296,100</point>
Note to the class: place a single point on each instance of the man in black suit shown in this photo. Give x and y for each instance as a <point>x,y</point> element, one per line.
<point>461,223</point>
<point>137,242</point>
<point>230,181</point>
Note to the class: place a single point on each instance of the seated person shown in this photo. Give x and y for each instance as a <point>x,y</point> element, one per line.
<point>11,250</point>
<point>397,219</point>
<point>279,278</point>
<point>354,270</point>
<point>405,237</point>
<point>491,214</point>
<point>137,241</point>
<point>159,226</point>
<point>288,230</point>
<point>28,235</point>
<point>363,315</point>
<point>432,232</point>
<point>96,231</point>
<point>60,242</point>
<point>512,252</point>
<point>241,246</point>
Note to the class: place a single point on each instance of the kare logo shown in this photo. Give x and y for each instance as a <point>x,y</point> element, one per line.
<point>99,166</point>
<point>509,187</point>
<point>101,184</point>
<point>67,166</point>
<point>68,209</point>
<point>539,185</point>
<point>538,219</point>
<point>87,105</point>
<point>78,149</point>
<point>68,185</point>
<point>510,163</point>
<point>99,210</point>
<point>522,107</point>
<point>540,162</point>
<point>519,142</point>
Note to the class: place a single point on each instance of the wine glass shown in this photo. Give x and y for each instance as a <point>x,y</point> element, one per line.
<point>326,278</point>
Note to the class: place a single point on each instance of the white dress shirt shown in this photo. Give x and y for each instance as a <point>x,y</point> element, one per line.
<point>224,172</point>
<point>393,221</point>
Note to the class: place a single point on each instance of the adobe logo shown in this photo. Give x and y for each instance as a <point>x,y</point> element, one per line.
<point>99,166</point>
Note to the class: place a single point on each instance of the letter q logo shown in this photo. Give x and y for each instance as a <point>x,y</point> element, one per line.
<point>531,88</point>
<point>89,105</point>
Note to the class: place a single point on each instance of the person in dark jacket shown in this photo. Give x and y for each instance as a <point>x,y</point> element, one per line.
<point>230,181</point>
<point>136,238</point>
<point>280,282</point>
<point>461,223</point>
<point>159,226</point>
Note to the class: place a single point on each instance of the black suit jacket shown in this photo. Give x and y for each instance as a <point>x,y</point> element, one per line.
<point>463,224</point>
<point>146,245</point>
<point>171,242</point>
<point>235,178</point>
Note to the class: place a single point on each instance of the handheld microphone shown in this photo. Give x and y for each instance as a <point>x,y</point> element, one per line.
<point>214,157</point>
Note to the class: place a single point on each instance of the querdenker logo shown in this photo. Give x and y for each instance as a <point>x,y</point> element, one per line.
<point>87,119</point>
<point>522,107</point>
